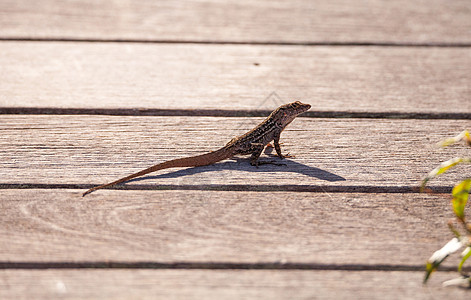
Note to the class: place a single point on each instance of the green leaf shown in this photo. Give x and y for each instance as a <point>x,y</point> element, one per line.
<point>443,167</point>
<point>460,197</point>
<point>466,254</point>
<point>429,269</point>
<point>464,135</point>
<point>453,229</point>
<point>440,255</point>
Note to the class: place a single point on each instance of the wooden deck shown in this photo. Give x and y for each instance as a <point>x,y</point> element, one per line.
<point>90,92</point>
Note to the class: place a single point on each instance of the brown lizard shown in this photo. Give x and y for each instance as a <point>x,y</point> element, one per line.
<point>253,142</point>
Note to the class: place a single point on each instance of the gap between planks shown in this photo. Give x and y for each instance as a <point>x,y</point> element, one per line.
<point>152,265</point>
<point>255,43</point>
<point>239,187</point>
<point>228,113</point>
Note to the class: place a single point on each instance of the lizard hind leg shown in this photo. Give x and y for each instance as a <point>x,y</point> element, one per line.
<point>257,150</point>
<point>254,159</point>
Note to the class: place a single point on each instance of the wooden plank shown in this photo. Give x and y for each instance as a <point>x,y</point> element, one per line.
<point>245,284</point>
<point>364,230</point>
<point>232,77</point>
<point>329,152</point>
<point>344,21</point>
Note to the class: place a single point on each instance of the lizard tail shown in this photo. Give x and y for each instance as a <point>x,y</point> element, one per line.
<point>193,161</point>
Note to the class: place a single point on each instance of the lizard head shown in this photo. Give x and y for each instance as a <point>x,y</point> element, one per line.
<point>288,112</point>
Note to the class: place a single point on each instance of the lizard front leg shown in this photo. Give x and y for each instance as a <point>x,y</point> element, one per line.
<point>276,142</point>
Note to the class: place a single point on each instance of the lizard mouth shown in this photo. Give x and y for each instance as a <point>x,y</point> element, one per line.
<point>302,107</point>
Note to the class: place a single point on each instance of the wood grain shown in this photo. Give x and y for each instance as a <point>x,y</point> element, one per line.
<point>182,284</point>
<point>367,230</point>
<point>232,77</point>
<point>340,56</point>
<point>344,21</point>
<point>329,152</point>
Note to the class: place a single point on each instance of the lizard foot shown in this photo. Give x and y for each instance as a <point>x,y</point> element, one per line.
<point>288,156</point>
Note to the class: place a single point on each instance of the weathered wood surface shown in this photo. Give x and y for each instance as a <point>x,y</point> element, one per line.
<point>319,230</point>
<point>340,21</point>
<point>37,149</point>
<point>365,79</point>
<point>219,284</point>
<point>210,55</point>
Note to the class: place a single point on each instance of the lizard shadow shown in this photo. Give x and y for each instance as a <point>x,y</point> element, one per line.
<point>242,164</point>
